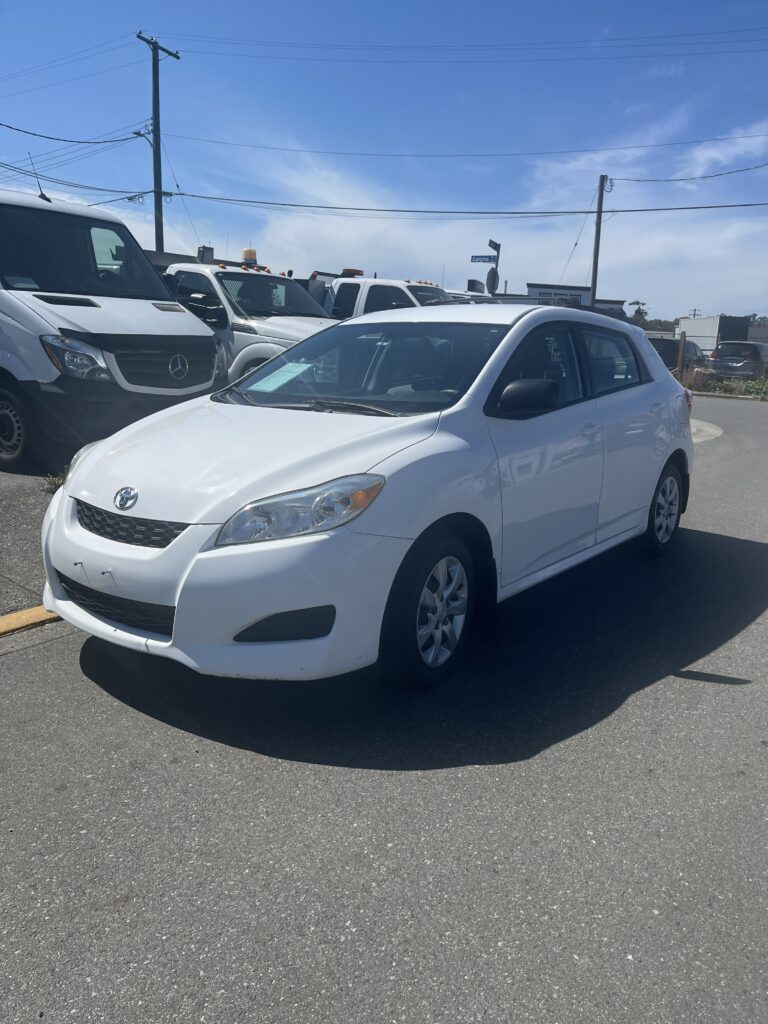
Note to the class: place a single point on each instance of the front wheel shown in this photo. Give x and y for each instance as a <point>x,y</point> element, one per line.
<point>16,430</point>
<point>664,514</point>
<point>430,613</point>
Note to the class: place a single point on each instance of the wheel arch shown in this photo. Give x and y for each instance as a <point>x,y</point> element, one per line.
<point>679,459</point>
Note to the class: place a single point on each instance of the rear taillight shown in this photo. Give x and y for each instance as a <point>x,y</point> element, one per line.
<point>688,398</point>
<point>713,355</point>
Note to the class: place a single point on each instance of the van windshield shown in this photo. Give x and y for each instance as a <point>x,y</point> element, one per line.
<point>261,295</point>
<point>50,251</point>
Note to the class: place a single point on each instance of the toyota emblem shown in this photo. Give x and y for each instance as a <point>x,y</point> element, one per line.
<point>178,367</point>
<point>125,498</point>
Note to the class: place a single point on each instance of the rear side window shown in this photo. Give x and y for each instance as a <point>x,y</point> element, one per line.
<point>737,349</point>
<point>612,360</point>
<point>344,301</point>
<point>386,296</point>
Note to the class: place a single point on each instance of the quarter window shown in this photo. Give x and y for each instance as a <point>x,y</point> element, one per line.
<point>612,360</point>
<point>548,353</point>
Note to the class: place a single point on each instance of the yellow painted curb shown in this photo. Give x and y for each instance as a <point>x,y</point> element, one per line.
<point>26,619</point>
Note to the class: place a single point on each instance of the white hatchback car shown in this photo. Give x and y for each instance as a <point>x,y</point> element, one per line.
<point>369,493</point>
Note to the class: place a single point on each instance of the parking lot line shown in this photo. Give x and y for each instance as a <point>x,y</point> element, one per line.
<point>26,619</point>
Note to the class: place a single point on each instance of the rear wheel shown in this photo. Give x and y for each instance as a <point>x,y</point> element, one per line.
<point>664,514</point>
<point>430,613</point>
<point>16,430</point>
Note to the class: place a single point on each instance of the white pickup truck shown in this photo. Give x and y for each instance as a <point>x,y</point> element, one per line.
<point>353,296</point>
<point>254,314</point>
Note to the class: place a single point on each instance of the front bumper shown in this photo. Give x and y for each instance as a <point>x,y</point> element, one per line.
<point>217,592</point>
<point>75,412</point>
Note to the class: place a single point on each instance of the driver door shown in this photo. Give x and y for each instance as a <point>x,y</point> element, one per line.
<point>551,463</point>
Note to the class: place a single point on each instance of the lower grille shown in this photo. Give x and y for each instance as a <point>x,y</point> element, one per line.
<point>120,611</point>
<point>168,367</point>
<point>145,533</point>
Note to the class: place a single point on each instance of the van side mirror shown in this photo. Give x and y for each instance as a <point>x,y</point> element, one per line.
<point>523,399</point>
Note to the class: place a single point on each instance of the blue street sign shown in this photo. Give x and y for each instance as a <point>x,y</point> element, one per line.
<point>483,259</point>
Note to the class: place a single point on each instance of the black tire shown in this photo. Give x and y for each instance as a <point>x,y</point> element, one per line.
<point>17,430</point>
<point>402,660</point>
<point>665,510</point>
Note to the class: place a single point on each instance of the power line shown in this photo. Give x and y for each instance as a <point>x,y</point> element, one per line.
<point>530,44</point>
<point>597,57</point>
<point>181,196</point>
<point>74,142</point>
<point>578,237</point>
<point>702,177</point>
<point>77,78</point>
<point>71,58</point>
<point>69,184</point>
<point>514,153</point>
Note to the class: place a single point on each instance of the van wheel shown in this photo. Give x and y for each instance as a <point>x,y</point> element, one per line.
<point>430,613</point>
<point>664,514</point>
<point>16,430</point>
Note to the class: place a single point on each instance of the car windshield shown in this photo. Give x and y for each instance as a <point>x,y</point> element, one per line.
<point>386,368</point>
<point>428,295</point>
<point>262,295</point>
<point>49,251</point>
<point>738,350</point>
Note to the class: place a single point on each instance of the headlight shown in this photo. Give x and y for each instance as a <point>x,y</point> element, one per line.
<point>76,459</point>
<point>75,358</point>
<point>312,511</point>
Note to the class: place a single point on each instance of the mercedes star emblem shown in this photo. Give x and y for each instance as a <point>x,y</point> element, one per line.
<point>126,498</point>
<point>178,366</point>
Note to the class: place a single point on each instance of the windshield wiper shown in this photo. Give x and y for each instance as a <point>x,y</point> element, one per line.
<point>333,405</point>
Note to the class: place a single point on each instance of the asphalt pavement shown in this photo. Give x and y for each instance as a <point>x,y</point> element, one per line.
<point>573,832</point>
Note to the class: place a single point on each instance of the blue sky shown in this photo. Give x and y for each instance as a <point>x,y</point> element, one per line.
<point>422,77</point>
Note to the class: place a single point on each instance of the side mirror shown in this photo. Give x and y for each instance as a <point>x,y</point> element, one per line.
<point>525,398</point>
<point>207,308</point>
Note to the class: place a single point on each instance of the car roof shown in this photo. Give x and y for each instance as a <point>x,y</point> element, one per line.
<point>488,313</point>
<point>30,199</point>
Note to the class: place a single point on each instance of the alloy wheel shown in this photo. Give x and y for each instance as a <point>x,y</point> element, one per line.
<point>442,611</point>
<point>666,511</point>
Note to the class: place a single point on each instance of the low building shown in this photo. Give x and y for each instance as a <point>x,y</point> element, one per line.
<point>707,331</point>
<point>572,295</point>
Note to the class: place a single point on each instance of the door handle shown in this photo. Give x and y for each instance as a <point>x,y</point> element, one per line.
<point>590,429</point>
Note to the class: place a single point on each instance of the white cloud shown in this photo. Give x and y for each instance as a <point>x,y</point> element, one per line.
<point>673,261</point>
<point>668,69</point>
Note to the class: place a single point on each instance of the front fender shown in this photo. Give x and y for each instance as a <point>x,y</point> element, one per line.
<point>259,352</point>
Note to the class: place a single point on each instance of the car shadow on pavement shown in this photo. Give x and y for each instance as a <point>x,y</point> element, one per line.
<point>561,658</point>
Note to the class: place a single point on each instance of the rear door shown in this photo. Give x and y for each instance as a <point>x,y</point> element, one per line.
<point>637,427</point>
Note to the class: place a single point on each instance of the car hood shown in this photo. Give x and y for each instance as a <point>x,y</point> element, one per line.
<point>291,328</point>
<point>201,461</point>
<point>117,316</point>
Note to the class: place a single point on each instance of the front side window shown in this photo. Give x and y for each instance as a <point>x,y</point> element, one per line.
<point>344,301</point>
<point>188,284</point>
<point>548,353</point>
<point>386,296</point>
<point>261,295</point>
<point>612,360</point>
<point>428,295</point>
<point>51,251</point>
<point>393,368</point>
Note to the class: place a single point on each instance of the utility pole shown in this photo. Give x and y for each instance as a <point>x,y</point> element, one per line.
<point>598,226</point>
<point>157,162</point>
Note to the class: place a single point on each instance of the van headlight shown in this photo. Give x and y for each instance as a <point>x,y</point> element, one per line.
<point>314,510</point>
<point>75,358</point>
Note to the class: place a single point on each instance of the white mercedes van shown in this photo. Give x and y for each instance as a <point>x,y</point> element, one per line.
<point>90,337</point>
